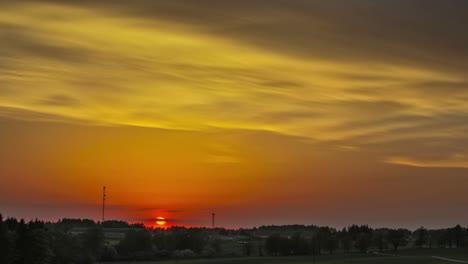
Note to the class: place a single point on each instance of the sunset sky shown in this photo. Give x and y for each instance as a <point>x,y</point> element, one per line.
<point>327,112</point>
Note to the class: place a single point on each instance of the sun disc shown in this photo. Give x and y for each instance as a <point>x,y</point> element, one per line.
<point>160,220</point>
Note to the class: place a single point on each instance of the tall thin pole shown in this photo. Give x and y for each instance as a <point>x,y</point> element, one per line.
<point>212,220</point>
<point>103,201</point>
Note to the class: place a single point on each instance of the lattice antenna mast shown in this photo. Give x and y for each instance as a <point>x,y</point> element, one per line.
<point>103,201</point>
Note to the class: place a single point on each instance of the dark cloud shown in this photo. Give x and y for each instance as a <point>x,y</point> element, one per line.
<point>286,116</point>
<point>14,113</point>
<point>362,77</point>
<point>383,121</point>
<point>423,32</point>
<point>247,76</point>
<point>60,100</point>
<point>378,107</point>
<point>282,84</point>
<point>19,41</point>
<point>444,89</point>
<point>427,126</point>
<point>424,138</point>
<point>59,205</point>
<point>147,209</point>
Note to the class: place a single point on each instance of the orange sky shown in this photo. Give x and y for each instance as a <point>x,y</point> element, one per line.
<point>268,113</point>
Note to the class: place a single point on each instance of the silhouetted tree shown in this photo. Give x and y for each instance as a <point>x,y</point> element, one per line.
<point>109,253</point>
<point>39,247</point>
<point>247,248</point>
<point>354,231</point>
<point>285,246</point>
<point>69,223</point>
<point>431,238</point>
<point>189,238</point>
<point>441,236</point>
<point>164,241</point>
<point>346,243</point>
<point>216,245</point>
<point>321,237</point>
<point>273,244</point>
<point>62,243</point>
<point>421,237</point>
<point>379,239</point>
<point>92,243</point>
<point>331,244</point>
<point>136,242</point>
<point>459,236</point>
<point>466,245</point>
<point>66,248</point>
<point>450,236</point>
<point>260,248</point>
<point>115,224</point>
<point>299,245</point>
<point>398,237</point>
<point>314,245</point>
<point>363,242</point>
<point>21,243</point>
<point>32,243</point>
<point>6,243</point>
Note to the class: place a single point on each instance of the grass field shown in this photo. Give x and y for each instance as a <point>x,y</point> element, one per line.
<point>421,256</point>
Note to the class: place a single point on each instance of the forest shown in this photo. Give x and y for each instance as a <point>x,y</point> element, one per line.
<point>56,242</point>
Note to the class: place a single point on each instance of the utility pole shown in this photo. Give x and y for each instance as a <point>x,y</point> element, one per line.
<point>212,220</point>
<point>103,201</point>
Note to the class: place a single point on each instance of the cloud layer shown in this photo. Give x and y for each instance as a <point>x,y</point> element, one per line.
<point>385,81</point>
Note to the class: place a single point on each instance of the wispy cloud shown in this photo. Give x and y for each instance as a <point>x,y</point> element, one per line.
<point>164,95</point>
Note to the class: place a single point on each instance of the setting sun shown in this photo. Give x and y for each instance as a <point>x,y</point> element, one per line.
<point>160,220</point>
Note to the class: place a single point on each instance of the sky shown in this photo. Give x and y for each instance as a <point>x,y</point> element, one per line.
<point>265,112</point>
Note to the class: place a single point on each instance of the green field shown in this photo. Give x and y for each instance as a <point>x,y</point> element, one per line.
<point>421,256</point>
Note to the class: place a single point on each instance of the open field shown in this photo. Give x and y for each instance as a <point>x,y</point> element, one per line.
<point>421,256</point>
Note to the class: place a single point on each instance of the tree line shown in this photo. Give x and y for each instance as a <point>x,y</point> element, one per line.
<point>54,242</point>
<point>363,238</point>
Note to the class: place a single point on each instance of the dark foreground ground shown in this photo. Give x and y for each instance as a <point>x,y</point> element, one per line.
<point>420,256</point>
